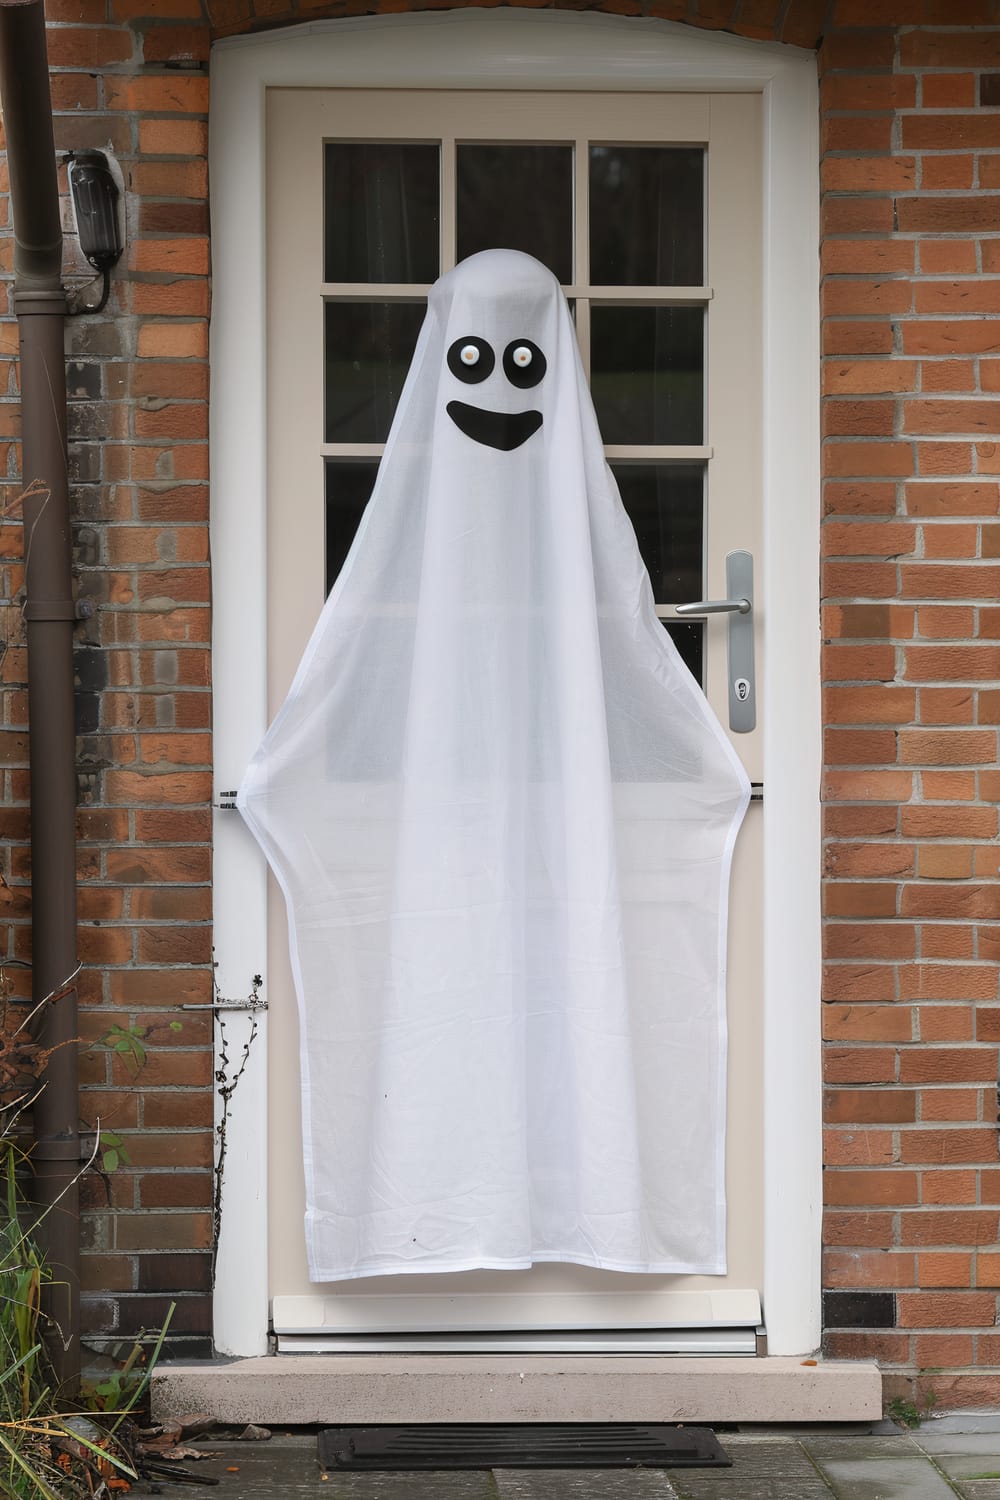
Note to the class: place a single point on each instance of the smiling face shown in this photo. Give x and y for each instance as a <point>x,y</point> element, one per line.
<point>472,360</point>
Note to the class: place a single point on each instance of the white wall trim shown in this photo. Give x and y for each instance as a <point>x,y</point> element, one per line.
<point>529,49</point>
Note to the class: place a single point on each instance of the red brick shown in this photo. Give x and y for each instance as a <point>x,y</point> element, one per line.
<point>842,214</point>
<point>859,1065</point>
<point>951,416</point>
<point>847,1228</point>
<point>873,459</point>
<point>152,94</point>
<point>166,44</point>
<point>877,1188</point>
<point>859,899</point>
<point>850,297</point>
<point>950,335</point>
<point>870,940</point>
<point>865,786</point>
<point>948,1146</point>
<point>886,257</point>
<point>858,983</point>
<point>946,172</point>
<point>944,257</point>
<point>948,91</point>
<point>856,133</point>
<point>954,498</point>
<point>166,1231</point>
<point>857,338</point>
<point>952,1064</point>
<point>857,1148</point>
<point>868,1023</point>
<point>947,1104</point>
<point>872,1268</point>
<point>867,1106</point>
<point>945,1228</point>
<point>868,174</point>
<point>869,705</point>
<point>948,1186</point>
<point>87,47</point>
<point>948,822</point>
<point>858,498</point>
<point>976,295</point>
<point>946,1309</point>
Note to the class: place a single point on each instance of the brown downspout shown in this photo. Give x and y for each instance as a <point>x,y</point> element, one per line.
<point>40,306</point>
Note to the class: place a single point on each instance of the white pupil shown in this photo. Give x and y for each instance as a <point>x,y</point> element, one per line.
<point>522,356</point>
<point>470,355</point>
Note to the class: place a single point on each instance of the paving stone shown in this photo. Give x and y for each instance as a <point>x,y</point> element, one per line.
<point>583,1484</point>
<point>971,1465</point>
<point>986,1421</point>
<point>834,1445</point>
<point>765,1469</point>
<point>980,1489</point>
<point>986,1443</point>
<point>886,1479</point>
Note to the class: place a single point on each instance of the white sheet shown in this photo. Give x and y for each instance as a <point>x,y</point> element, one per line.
<point>502,815</point>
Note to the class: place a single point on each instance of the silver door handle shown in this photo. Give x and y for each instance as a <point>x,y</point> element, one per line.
<point>716,607</point>
<point>740,630</point>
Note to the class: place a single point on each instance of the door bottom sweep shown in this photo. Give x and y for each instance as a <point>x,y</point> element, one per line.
<point>520,1445</point>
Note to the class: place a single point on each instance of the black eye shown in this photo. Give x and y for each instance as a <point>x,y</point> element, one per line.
<point>523,363</point>
<point>471,360</point>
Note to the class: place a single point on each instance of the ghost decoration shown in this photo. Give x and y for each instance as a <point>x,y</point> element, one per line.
<point>502,815</point>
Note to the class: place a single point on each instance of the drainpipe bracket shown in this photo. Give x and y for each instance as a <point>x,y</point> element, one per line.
<point>56,1150</point>
<point>40,301</point>
<point>36,611</point>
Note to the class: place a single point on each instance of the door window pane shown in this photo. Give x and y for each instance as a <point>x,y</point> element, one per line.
<point>647,214</point>
<point>665,503</point>
<point>689,638</point>
<point>368,350</point>
<point>349,483</point>
<point>517,198</point>
<point>381,211</point>
<point>647,373</point>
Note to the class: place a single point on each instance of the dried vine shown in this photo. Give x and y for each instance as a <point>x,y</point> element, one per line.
<point>227,1082</point>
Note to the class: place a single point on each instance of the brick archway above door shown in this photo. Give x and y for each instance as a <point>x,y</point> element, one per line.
<point>195,24</point>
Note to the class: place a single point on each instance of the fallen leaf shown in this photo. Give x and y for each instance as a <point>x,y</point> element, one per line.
<point>809,1361</point>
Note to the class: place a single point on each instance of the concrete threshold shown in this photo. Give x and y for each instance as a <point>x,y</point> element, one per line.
<point>357,1389</point>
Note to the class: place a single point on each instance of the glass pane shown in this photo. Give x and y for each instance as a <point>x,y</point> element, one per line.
<point>647,215</point>
<point>665,503</point>
<point>689,638</point>
<point>517,198</point>
<point>369,346</point>
<point>381,212</point>
<point>349,483</point>
<point>647,373</point>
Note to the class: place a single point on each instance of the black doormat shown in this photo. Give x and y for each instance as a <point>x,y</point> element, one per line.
<point>521,1445</point>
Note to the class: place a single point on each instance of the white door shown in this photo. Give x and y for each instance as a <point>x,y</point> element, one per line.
<point>647,207</point>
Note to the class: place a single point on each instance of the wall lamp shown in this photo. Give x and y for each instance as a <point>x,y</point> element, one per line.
<point>95,207</point>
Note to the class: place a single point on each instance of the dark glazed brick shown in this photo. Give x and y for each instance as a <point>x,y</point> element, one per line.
<point>859,1310</point>
<point>989,89</point>
<point>191,1314</point>
<point>83,381</point>
<point>175,1273</point>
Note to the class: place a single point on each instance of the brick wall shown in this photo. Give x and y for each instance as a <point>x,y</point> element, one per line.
<point>911,260</point>
<point>911,540</point>
<point>138,423</point>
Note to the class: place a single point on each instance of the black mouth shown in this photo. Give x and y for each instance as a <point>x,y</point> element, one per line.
<point>497,429</point>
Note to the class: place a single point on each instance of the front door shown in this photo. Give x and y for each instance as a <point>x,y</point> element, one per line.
<point>647,207</point>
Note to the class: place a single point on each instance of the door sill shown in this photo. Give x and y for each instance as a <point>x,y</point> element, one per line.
<point>593,1341</point>
<point>362,1390</point>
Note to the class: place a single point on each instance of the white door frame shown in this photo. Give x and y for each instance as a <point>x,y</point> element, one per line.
<point>501,48</point>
